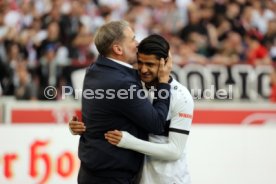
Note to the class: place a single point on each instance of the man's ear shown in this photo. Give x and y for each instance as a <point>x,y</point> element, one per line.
<point>117,49</point>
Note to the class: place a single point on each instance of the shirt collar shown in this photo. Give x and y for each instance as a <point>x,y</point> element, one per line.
<point>121,63</point>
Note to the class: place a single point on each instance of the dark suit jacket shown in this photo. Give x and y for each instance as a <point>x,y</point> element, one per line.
<point>101,113</point>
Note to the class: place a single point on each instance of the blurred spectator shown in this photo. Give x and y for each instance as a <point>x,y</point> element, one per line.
<point>143,23</point>
<point>246,20</point>
<point>26,45</point>
<point>5,79</point>
<point>230,51</point>
<point>233,14</point>
<point>52,39</point>
<point>25,89</point>
<point>105,16</point>
<point>37,34</point>
<point>83,53</point>
<point>8,68</point>
<point>53,16</point>
<point>82,43</point>
<point>261,16</point>
<point>221,6</point>
<point>70,24</point>
<point>175,43</point>
<point>194,25</point>
<point>49,71</point>
<point>12,17</point>
<point>257,54</point>
<point>27,14</point>
<point>188,53</point>
<point>55,37</point>
<point>223,27</point>
<point>49,68</point>
<point>118,7</point>
<point>43,6</point>
<point>270,39</point>
<point>3,33</point>
<point>169,17</point>
<point>204,33</point>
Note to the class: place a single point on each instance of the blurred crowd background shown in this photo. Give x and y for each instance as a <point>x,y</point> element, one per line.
<point>43,41</point>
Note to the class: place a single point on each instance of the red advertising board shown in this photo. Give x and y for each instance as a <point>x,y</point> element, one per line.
<point>42,115</point>
<point>232,116</point>
<point>225,115</point>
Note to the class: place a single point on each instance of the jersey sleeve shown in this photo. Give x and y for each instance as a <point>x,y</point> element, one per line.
<point>182,113</point>
<point>169,151</point>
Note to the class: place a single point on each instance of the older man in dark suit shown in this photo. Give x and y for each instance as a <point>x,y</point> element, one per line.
<point>112,99</point>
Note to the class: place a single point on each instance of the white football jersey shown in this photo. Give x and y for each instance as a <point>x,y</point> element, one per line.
<point>165,160</point>
<point>157,171</point>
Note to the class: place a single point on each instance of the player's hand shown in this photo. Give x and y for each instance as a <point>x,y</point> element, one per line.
<point>76,127</point>
<point>165,69</point>
<point>113,137</point>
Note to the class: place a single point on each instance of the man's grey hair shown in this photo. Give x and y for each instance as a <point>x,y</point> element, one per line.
<point>109,33</point>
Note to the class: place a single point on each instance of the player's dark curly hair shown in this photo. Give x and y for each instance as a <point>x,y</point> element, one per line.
<point>154,45</point>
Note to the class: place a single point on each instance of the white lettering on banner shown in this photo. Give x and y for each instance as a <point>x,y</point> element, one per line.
<point>245,82</point>
<point>193,77</point>
<point>218,76</point>
<point>263,80</point>
<point>248,82</point>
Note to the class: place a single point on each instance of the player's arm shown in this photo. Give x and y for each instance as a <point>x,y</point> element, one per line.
<point>178,135</point>
<point>76,127</point>
<point>170,151</point>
